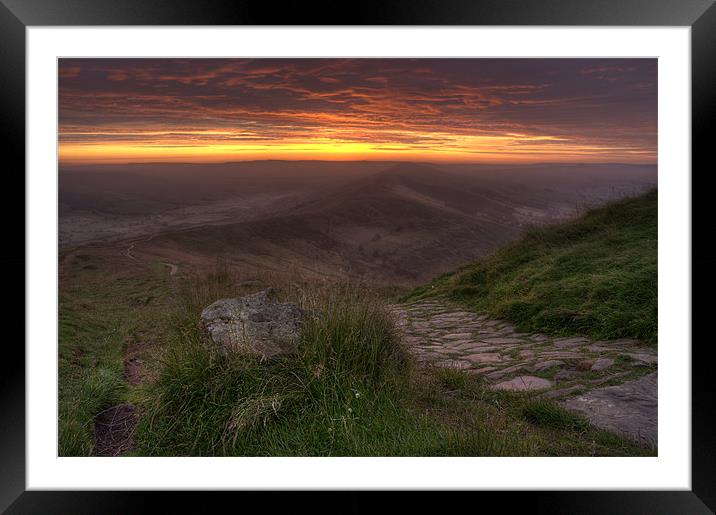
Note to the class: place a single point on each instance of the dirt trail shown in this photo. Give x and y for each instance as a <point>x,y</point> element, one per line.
<point>114,426</point>
<point>173,268</point>
<point>595,378</point>
<point>133,244</point>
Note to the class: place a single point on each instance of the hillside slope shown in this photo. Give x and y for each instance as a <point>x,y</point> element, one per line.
<point>405,224</point>
<point>595,276</point>
<point>402,225</point>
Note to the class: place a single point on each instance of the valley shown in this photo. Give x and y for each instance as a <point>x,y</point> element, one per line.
<point>400,223</point>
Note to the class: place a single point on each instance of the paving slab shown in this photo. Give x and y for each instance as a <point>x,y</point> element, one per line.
<point>524,383</point>
<point>454,363</point>
<point>643,358</point>
<point>602,364</point>
<point>546,365</point>
<point>484,358</point>
<point>501,340</point>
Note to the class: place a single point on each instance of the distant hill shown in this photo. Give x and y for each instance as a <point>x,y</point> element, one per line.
<point>391,225</point>
<point>149,188</point>
<point>596,276</point>
<point>403,224</point>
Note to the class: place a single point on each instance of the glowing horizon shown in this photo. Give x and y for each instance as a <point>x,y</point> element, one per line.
<point>439,110</point>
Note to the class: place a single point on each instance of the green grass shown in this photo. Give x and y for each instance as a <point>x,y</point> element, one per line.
<point>548,414</point>
<point>350,391</point>
<point>98,314</point>
<point>90,373</point>
<point>595,276</point>
<point>324,401</point>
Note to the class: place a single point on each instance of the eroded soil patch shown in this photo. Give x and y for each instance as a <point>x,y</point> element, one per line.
<point>114,426</point>
<point>134,370</point>
<point>113,429</point>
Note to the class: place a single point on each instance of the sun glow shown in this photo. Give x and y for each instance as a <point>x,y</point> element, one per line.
<point>452,148</point>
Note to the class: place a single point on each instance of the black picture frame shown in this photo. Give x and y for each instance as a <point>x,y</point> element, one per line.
<point>700,15</point>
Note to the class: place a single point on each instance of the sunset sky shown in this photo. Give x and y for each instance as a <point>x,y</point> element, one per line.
<point>440,110</point>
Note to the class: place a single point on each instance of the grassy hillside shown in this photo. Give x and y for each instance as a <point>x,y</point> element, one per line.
<point>103,309</point>
<point>595,276</point>
<point>351,390</point>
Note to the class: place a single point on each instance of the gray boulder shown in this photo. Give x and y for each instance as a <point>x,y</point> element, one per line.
<point>256,324</point>
<point>630,408</point>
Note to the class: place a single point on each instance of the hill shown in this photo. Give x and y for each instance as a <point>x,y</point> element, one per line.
<point>596,276</point>
<point>129,350</point>
<point>402,225</point>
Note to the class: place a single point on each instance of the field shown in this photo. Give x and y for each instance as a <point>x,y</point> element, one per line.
<point>352,391</point>
<point>130,349</point>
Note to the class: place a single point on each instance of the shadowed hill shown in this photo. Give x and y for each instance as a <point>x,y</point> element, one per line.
<point>402,225</point>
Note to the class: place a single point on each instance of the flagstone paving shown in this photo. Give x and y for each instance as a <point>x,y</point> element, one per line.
<point>611,382</point>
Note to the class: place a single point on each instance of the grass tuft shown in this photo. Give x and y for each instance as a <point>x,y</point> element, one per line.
<point>547,414</point>
<point>349,369</point>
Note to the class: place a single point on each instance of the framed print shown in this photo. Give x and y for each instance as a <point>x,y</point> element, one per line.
<point>438,248</point>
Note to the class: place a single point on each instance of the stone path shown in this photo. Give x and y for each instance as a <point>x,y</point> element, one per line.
<point>600,379</point>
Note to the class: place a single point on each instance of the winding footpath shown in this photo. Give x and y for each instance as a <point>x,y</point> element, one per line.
<point>173,269</point>
<point>613,383</point>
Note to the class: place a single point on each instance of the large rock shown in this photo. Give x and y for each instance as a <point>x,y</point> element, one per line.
<point>256,324</point>
<point>630,408</point>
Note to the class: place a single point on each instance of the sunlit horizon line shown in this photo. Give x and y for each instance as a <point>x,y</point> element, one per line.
<point>507,161</point>
<point>210,145</point>
<point>178,153</point>
<point>419,158</point>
